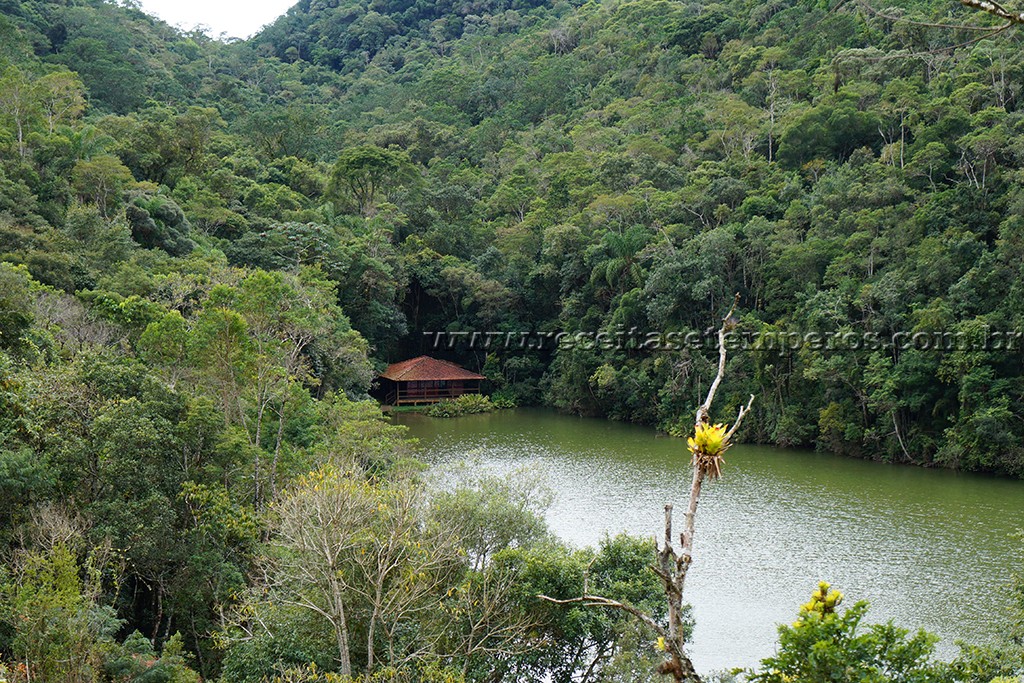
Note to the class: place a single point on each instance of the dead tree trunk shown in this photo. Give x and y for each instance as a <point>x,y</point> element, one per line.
<point>707,446</point>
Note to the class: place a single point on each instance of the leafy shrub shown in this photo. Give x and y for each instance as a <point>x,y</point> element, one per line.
<point>824,644</point>
<point>467,404</point>
<point>425,673</point>
<point>503,401</point>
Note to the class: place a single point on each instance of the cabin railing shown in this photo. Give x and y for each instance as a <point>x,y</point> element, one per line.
<point>429,394</point>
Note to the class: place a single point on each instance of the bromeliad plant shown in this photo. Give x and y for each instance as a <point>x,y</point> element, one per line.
<point>707,445</point>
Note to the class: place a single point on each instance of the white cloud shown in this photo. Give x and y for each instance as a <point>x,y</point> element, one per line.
<point>236,18</point>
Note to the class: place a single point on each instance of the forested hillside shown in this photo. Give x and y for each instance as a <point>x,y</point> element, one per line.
<point>206,249</point>
<point>558,168</point>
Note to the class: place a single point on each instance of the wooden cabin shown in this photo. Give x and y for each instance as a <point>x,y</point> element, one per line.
<point>426,380</point>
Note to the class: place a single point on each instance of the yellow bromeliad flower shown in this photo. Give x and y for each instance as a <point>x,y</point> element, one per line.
<point>823,602</point>
<point>708,439</point>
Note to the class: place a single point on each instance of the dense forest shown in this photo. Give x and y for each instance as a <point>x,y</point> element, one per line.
<point>207,250</point>
<point>544,171</point>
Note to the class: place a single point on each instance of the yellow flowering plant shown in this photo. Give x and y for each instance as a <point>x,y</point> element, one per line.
<point>708,443</point>
<point>708,438</point>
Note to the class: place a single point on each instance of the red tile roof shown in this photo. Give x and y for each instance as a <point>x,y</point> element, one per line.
<point>426,368</point>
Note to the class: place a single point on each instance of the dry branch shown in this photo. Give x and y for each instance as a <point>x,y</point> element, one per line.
<point>672,567</point>
<point>995,9</point>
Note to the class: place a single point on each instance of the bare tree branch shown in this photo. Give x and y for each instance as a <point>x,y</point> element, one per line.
<point>926,24</point>
<point>739,418</point>
<point>600,601</point>
<point>995,9</point>
<point>672,567</point>
<point>702,411</point>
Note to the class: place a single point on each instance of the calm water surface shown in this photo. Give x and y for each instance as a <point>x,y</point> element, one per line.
<point>928,548</point>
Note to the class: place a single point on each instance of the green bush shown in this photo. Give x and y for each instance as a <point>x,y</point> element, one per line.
<point>824,644</point>
<point>503,400</point>
<point>467,404</point>
<point>426,673</point>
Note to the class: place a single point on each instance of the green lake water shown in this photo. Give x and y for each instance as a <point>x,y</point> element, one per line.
<point>927,548</point>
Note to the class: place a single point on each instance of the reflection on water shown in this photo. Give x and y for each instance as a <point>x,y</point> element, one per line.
<point>927,548</point>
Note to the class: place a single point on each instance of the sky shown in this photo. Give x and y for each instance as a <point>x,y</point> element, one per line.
<point>236,18</point>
